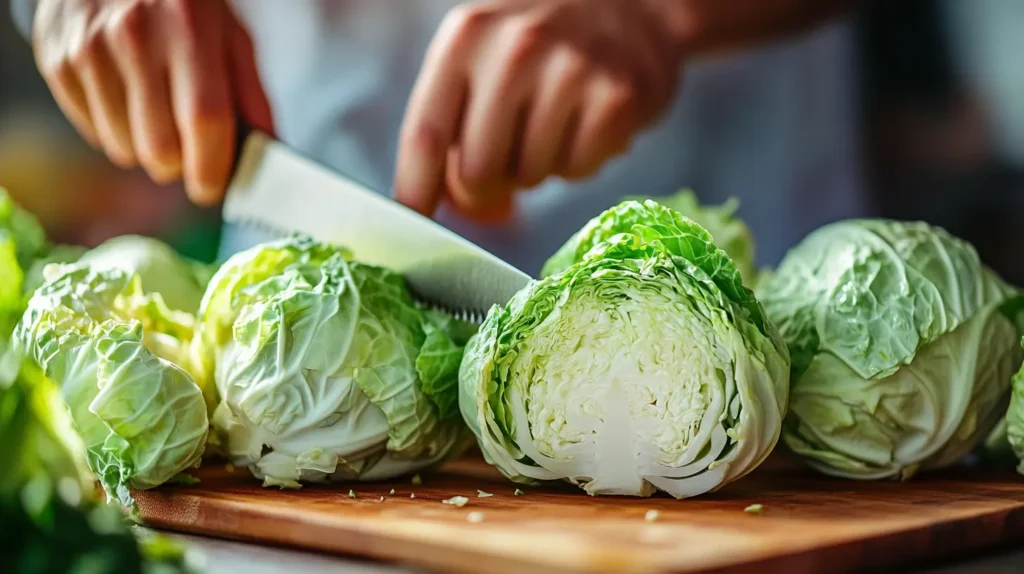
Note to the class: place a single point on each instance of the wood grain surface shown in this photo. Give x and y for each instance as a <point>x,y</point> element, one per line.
<point>809,523</point>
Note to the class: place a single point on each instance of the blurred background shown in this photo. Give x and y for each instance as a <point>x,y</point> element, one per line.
<point>77,193</point>
<point>940,117</point>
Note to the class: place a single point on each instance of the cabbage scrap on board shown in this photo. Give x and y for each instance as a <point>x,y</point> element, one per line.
<point>903,346</point>
<point>119,355</point>
<point>326,368</point>
<point>641,364</point>
<point>729,232</point>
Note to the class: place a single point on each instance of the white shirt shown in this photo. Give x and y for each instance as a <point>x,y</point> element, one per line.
<point>775,127</point>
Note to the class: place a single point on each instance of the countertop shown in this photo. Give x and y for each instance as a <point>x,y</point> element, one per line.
<point>228,557</point>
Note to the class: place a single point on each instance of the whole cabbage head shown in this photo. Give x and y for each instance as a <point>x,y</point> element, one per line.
<point>326,368</point>
<point>117,352</point>
<point>644,364</point>
<point>903,347</point>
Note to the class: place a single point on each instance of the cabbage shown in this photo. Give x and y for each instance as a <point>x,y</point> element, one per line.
<point>37,437</point>
<point>179,281</point>
<point>23,229</point>
<point>644,364</point>
<point>49,516</point>
<point>35,276</point>
<point>22,241</point>
<point>903,345</point>
<point>117,353</point>
<point>729,232</point>
<point>1011,429</point>
<point>326,368</point>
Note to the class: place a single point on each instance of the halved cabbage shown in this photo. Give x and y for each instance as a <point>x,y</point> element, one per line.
<point>643,364</point>
<point>729,232</point>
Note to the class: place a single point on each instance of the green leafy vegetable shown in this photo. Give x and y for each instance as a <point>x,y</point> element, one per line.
<point>34,277</point>
<point>115,352</point>
<point>903,346</point>
<point>23,229</point>
<point>160,269</point>
<point>1012,426</point>
<point>50,521</point>
<point>22,241</point>
<point>326,368</point>
<point>729,232</point>
<point>644,364</point>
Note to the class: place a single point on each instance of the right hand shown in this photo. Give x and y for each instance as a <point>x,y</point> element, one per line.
<point>156,83</point>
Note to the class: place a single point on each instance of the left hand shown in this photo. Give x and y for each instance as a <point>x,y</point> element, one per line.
<point>514,91</point>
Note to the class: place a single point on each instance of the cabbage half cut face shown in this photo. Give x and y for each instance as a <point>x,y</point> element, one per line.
<point>633,370</point>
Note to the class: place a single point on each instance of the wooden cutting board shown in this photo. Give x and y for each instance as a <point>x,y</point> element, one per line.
<point>809,523</point>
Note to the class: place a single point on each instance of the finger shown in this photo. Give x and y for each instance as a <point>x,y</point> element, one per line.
<point>432,120</point>
<point>246,86</point>
<point>558,94</point>
<point>606,125</point>
<point>70,97</point>
<point>660,66</point>
<point>105,94</point>
<point>654,77</point>
<point>200,99</point>
<point>502,82</point>
<point>496,211</point>
<point>148,98</point>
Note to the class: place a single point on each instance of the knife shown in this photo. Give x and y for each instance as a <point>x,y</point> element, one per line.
<point>275,192</point>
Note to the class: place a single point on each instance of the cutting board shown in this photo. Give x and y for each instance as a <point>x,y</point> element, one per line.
<point>808,523</point>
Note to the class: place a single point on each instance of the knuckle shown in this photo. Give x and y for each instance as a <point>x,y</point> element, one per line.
<point>127,28</point>
<point>474,174</point>
<point>84,53</point>
<point>619,103</point>
<point>528,40</point>
<point>425,139</point>
<point>184,8</point>
<point>467,19</point>
<point>58,71</point>
<point>574,65</point>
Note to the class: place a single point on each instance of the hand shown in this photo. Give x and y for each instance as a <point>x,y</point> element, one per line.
<point>156,83</point>
<point>514,91</point>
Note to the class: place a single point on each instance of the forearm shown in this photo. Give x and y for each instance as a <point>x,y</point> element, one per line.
<point>22,12</point>
<point>701,27</point>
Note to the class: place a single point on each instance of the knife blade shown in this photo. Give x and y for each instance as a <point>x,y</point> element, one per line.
<point>275,192</point>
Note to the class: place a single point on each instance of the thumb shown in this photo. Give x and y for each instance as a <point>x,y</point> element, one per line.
<point>245,80</point>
